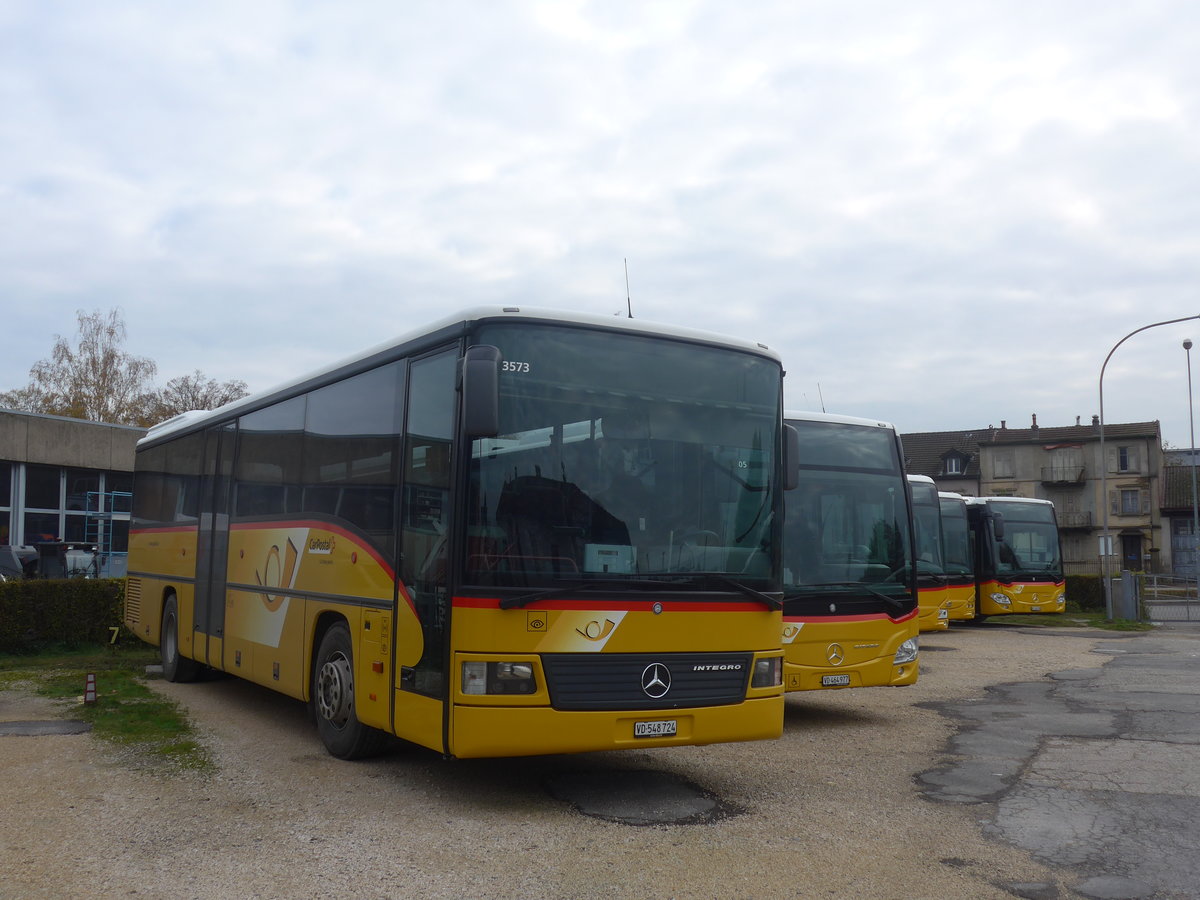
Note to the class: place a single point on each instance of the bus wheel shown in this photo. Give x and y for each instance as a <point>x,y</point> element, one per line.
<point>333,699</point>
<point>174,666</point>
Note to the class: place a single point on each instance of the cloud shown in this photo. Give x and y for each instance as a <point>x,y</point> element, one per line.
<point>944,213</point>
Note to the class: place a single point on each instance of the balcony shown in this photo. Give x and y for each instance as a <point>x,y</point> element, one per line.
<point>1062,475</point>
<point>1075,520</point>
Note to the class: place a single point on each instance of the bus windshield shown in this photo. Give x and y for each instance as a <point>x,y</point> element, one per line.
<point>1030,545</point>
<point>621,457</point>
<point>846,522</point>
<point>927,520</point>
<point>956,536</point>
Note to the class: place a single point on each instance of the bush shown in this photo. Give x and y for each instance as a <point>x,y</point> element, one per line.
<point>35,614</point>
<point>1086,592</point>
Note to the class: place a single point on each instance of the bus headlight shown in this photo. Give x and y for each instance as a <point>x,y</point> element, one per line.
<point>1001,600</point>
<point>480,677</point>
<point>767,672</point>
<point>907,652</point>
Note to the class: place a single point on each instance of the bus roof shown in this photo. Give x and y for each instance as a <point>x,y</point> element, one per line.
<point>803,416</point>
<point>437,332</point>
<point>920,479</point>
<point>980,501</point>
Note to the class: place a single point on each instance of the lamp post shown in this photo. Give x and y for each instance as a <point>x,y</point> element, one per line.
<point>1187,346</point>
<point>1105,537</point>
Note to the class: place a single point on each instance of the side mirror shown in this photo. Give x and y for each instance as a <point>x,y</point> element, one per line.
<point>791,458</point>
<point>480,386</point>
<point>998,526</point>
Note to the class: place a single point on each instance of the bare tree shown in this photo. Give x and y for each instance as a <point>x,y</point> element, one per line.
<point>195,391</point>
<point>94,378</point>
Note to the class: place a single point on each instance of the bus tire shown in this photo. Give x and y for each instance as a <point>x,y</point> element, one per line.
<point>333,699</point>
<point>174,666</point>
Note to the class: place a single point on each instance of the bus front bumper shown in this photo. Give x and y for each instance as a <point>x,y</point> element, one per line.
<point>496,731</point>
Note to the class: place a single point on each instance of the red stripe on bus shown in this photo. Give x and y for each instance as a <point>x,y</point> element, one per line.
<point>593,604</point>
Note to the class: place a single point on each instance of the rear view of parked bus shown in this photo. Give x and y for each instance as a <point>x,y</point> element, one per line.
<point>933,595</point>
<point>513,533</point>
<point>850,606</point>
<point>1018,560</point>
<point>956,557</point>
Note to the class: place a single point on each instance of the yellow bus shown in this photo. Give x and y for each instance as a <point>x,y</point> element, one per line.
<point>850,602</point>
<point>1018,558</point>
<point>956,557</point>
<point>933,592</point>
<point>513,532</point>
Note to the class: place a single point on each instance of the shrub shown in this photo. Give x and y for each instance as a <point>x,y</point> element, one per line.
<point>35,614</point>
<point>1086,592</point>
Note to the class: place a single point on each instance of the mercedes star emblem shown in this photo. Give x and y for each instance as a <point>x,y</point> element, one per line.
<point>656,681</point>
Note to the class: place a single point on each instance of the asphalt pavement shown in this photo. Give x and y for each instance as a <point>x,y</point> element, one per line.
<point>1095,772</point>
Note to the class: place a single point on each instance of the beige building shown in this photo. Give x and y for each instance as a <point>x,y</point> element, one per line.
<point>1064,465</point>
<point>66,480</point>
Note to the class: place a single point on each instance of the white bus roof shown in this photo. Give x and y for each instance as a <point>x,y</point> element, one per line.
<point>448,325</point>
<point>836,419</point>
<point>979,501</point>
<point>920,479</point>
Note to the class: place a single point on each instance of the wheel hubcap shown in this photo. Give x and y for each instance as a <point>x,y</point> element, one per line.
<point>335,690</point>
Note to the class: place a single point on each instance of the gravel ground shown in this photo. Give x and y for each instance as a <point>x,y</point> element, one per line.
<point>829,810</point>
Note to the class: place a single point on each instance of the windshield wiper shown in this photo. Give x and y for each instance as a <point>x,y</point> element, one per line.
<point>857,585</point>
<point>710,577</point>
<point>592,584</point>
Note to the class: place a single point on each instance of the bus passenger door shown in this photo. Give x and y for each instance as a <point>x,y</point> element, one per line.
<point>213,545</point>
<point>421,676</point>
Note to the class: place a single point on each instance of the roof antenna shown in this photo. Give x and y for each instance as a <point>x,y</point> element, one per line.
<point>822,396</point>
<point>628,301</point>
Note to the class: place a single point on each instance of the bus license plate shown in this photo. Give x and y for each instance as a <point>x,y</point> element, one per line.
<point>1035,609</point>
<point>664,728</point>
<point>835,680</point>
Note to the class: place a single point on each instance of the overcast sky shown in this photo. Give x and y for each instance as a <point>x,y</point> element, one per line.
<point>943,214</point>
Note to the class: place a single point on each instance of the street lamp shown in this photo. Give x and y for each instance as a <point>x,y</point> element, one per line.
<point>1187,346</point>
<point>1105,537</point>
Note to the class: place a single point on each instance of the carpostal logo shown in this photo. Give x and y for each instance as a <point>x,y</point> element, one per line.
<point>321,545</point>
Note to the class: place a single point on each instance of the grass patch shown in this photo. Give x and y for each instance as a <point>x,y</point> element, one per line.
<point>127,713</point>
<point>1073,619</point>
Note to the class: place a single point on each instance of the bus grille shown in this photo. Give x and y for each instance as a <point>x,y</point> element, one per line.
<point>133,601</point>
<point>605,681</point>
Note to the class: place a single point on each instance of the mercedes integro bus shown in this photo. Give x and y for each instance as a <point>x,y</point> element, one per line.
<point>513,532</point>
<point>933,594</point>
<point>850,603</point>
<point>1018,559</point>
<point>956,557</point>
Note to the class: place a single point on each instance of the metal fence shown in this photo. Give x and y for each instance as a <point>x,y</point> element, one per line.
<point>1169,598</point>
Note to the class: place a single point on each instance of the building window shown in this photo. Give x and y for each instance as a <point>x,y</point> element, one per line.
<point>953,465</point>
<point>1002,465</point>
<point>1131,502</point>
